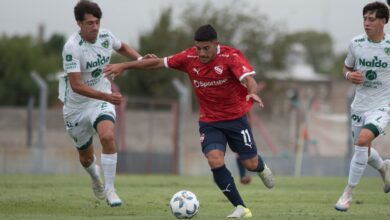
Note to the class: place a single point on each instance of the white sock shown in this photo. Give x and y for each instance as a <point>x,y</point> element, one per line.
<point>375,160</point>
<point>358,165</point>
<point>109,169</point>
<point>91,170</point>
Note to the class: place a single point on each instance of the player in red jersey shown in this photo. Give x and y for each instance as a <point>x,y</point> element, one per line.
<point>223,82</point>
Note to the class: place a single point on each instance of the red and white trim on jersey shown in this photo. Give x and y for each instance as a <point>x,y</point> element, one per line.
<point>217,84</point>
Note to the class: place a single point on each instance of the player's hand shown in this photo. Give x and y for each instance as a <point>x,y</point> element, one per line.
<point>256,99</point>
<point>113,70</point>
<point>356,77</point>
<point>115,98</point>
<point>149,55</point>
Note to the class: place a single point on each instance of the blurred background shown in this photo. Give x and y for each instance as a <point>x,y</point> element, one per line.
<point>297,48</point>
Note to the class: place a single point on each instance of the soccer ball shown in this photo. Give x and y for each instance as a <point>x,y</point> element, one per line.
<point>184,204</point>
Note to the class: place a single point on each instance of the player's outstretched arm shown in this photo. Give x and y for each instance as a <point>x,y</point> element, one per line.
<point>79,87</point>
<point>251,86</point>
<point>113,70</point>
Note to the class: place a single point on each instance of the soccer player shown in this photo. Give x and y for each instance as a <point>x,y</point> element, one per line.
<point>367,65</point>
<point>223,82</point>
<point>88,100</point>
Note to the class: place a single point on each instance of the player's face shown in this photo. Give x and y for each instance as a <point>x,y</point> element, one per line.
<point>206,50</point>
<point>373,26</point>
<point>89,27</point>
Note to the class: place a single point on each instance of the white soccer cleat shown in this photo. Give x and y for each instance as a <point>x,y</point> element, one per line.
<point>386,176</point>
<point>344,202</point>
<point>112,198</point>
<point>98,186</point>
<point>241,212</point>
<point>267,177</point>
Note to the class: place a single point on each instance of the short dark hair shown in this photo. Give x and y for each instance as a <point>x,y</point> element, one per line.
<point>381,10</point>
<point>205,33</point>
<point>87,7</point>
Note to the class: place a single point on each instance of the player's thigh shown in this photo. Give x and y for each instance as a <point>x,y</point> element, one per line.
<point>79,127</point>
<point>377,121</point>
<point>240,138</point>
<point>104,111</point>
<point>211,138</point>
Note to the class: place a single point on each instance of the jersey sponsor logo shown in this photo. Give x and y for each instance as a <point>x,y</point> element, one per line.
<point>371,75</point>
<point>68,58</point>
<point>356,118</point>
<point>373,63</point>
<point>70,66</point>
<point>218,69</point>
<point>105,44</point>
<point>96,73</point>
<point>101,60</point>
<point>202,84</point>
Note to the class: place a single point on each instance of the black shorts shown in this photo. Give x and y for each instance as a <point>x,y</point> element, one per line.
<point>237,133</point>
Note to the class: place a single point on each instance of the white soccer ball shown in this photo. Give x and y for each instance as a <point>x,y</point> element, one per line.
<point>184,204</point>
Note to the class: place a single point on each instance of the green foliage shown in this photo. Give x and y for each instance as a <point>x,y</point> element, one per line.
<point>162,40</point>
<point>247,29</point>
<point>19,57</point>
<point>147,197</point>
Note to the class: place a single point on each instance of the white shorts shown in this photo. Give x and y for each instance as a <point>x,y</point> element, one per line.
<point>376,121</point>
<point>80,123</point>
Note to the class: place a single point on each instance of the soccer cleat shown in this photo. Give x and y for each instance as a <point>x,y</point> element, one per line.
<point>267,177</point>
<point>386,176</point>
<point>241,212</point>
<point>344,202</point>
<point>112,198</point>
<point>98,186</point>
<point>245,180</point>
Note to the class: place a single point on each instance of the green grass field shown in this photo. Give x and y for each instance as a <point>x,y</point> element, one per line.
<point>147,197</point>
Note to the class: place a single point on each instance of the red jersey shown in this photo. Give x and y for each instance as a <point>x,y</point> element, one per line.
<point>217,84</point>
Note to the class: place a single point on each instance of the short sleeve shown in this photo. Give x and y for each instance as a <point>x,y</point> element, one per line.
<point>350,59</point>
<point>116,43</point>
<point>177,61</point>
<point>240,66</point>
<point>71,59</point>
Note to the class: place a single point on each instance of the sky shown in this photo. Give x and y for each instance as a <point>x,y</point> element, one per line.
<point>127,19</point>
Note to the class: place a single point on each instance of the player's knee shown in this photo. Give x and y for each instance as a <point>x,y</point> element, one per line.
<point>107,138</point>
<point>215,158</point>
<point>363,141</point>
<point>86,161</point>
<point>251,164</point>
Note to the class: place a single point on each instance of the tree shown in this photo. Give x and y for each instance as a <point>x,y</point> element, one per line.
<point>19,57</point>
<point>247,31</point>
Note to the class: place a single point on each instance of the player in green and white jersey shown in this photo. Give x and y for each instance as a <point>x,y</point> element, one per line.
<point>368,67</point>
<point>88,100</point>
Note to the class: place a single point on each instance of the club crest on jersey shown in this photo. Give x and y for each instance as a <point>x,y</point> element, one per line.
<point>201,138</point>
<point>387,50</point>
<point>105,44</point>
<point>218,70</point>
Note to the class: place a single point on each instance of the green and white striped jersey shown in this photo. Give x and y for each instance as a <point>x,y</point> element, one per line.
<point>373,61</point>
<point>89,59</point>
